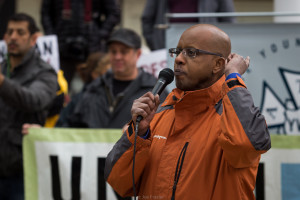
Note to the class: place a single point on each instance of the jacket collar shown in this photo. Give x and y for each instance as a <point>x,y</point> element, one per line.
<point>208,96</point>
<point>25,60</point>
<point>27,57</point>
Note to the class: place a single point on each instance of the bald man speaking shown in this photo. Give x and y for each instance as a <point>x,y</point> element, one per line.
<point>205,140</point>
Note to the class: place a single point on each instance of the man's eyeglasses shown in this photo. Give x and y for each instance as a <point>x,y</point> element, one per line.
<point>190,52</point>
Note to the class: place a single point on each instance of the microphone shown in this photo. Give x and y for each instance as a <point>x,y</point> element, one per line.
<point>165,77</point>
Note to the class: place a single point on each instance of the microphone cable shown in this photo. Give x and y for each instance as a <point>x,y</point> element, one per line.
<point>165,77</point>
<point>134,150</point>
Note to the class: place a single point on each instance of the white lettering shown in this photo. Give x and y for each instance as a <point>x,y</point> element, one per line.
<point>159,137</point>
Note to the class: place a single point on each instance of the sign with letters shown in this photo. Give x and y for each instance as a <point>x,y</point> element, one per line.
<point>153,62</point>
<point>67,163</point>
<point>63,164</point>
<point>47,46</point>
<point>273,77</point>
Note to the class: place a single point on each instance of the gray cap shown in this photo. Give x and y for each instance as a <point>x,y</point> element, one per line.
<point>127,37</point>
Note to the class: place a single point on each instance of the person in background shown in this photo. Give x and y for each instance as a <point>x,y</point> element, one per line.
<point>96,65</point>
<point>27,88</point>
<point>106,103</point>
<point>82,27</point>
<point>155,10</point>
<point>205,140</point>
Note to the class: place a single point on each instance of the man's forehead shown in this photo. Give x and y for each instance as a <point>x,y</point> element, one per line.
<point>192,39</point>
<point>118,45</point>
<point>197,31</point>
<point>18,25</point>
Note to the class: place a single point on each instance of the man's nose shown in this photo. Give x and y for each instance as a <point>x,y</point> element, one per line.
<point>118,55</point>
<point>180,59</point>
<point>14,35</point>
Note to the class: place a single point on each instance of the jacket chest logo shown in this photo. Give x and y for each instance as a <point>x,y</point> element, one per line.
<point>159,137</point>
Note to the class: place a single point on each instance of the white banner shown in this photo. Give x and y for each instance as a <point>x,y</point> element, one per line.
<point>48,49</point>
<point>153,62</point>
<point>282,174</point>
<point>67,163</point>
<point>61,163</point>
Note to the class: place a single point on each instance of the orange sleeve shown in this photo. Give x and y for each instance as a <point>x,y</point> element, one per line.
<point>118,166</point>
<point>244,133</point>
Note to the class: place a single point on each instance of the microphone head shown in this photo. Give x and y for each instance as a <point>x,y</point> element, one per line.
<point>166,74</point>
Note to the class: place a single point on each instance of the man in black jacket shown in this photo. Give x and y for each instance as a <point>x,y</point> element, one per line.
<point>107,101</point>
<point>82,27</point>
<point>27,87</point>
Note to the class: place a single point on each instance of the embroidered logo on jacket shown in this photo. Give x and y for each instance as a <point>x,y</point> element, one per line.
<point>159,137</point>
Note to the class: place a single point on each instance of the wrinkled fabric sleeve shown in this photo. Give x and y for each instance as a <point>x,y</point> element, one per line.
<point>244,133</point>
<point>118,166</point>
<point>36,97</point>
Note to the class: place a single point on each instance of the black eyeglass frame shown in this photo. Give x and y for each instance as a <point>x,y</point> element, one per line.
<point>177,51</point>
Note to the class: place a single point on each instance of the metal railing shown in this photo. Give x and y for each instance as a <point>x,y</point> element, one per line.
<point>225,14</point>
<point>231,14</point>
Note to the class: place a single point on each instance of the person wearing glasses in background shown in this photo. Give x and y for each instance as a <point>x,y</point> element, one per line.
<point>205,140</point>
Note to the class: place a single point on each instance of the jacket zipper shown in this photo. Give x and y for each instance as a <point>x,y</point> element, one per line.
<point>178,170</point>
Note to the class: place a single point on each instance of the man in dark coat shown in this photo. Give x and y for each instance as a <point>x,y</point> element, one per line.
<point>27,87</point>
<point>107,101</point>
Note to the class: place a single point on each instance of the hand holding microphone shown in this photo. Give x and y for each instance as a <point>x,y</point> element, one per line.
<point>146,106</point>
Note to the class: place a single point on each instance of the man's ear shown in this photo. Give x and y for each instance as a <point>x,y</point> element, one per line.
<point>139,53</point>
<point>219,65</point>
<point>34,38</point>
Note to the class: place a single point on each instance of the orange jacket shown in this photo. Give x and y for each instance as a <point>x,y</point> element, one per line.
<point>204,144</point>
